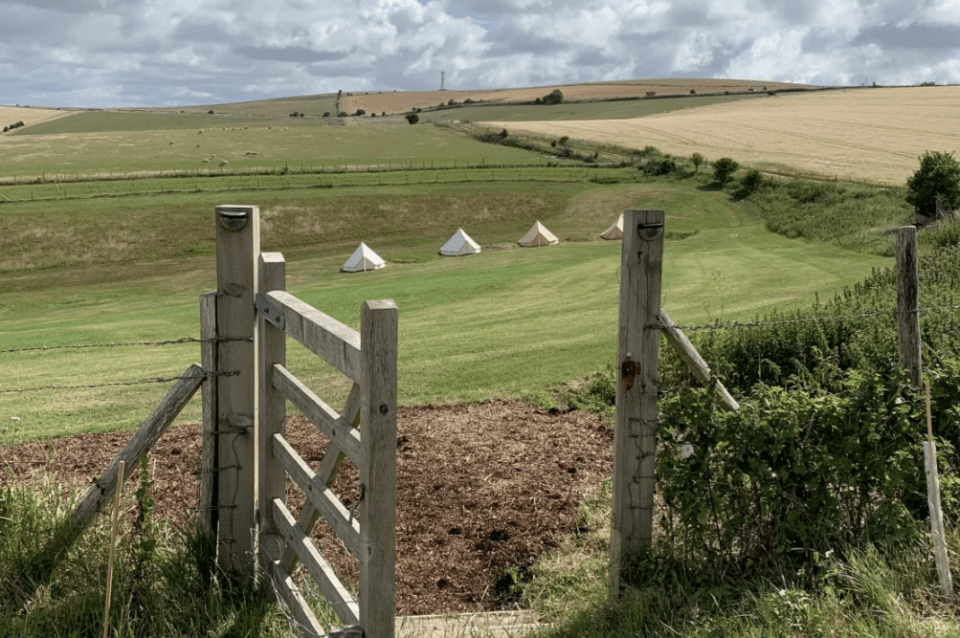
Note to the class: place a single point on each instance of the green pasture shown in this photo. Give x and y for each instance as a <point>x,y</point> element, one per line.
<point>258,146</point>
<point>607,110</point>
<point>309,177</point>
<point>508,322</point>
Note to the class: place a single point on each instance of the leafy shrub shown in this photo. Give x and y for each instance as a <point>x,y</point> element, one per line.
<point>697,159</point>
<point>664,165</point>
<point>752,181</point>
<point>724,168</point>
<point>412,118</point>
<point>937,180</point>
<point>794,473</point>
<point>360,112</point>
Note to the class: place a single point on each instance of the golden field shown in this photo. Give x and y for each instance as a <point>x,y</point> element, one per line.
<point>27,115</point>
<point>867,134</point>
<point>398,102</point>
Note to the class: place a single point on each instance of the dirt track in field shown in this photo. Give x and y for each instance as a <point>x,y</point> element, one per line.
<point>481,489</point>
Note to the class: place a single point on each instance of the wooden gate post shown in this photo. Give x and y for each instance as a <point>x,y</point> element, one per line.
<point>238,247</point>
<point>908,303</point>
<point>378,469</point>
<point>635,435</point>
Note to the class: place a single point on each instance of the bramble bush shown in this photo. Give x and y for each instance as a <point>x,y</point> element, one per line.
<point>797,473</point>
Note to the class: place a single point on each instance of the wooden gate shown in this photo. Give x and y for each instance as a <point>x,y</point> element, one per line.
<point>368,534</point>
<point>247,459</point>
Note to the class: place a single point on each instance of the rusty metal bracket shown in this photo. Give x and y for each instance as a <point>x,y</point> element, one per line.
<point>270,312</point>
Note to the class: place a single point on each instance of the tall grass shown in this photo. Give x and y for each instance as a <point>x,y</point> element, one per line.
<point>874,592</point>
<point>165,583</point>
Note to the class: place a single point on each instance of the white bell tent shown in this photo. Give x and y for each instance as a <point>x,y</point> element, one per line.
<point>538,235</point>
<point>615,231</point>
<point>460,244</point>
<point>362,260</point>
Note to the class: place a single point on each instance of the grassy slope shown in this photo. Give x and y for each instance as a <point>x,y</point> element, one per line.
<point>507,322</point>
<point>576,110</point>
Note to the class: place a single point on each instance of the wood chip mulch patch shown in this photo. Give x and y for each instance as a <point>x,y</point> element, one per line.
<point>482,491</point>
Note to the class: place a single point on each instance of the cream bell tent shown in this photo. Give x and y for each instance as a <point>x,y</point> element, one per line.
<point>460,244</point>
<point>538,235</point>
<point>362,260</point>
<point>615,231</point>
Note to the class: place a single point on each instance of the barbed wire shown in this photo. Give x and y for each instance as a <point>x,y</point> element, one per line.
<point>121,383</point>
<point>732,325</point>
<point>170,342</point>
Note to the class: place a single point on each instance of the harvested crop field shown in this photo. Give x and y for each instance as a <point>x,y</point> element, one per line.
<point>868,134</point>
<point>28,115</point>
<point>403,101</point>
<point>481,490</point>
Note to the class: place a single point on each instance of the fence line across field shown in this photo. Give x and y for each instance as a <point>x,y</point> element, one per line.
<point>128,344</point>
<point>205,375</point>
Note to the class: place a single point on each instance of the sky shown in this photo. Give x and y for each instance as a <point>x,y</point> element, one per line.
<point>129,53</point>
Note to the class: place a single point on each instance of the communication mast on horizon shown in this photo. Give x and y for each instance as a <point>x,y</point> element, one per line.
<point>442,74</point>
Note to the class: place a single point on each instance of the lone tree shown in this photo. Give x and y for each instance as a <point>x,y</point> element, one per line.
<point>553,97</point>
<point>413,118</point>
<point>937,180</point>
<point>697,159</point>
<point>724,168</point>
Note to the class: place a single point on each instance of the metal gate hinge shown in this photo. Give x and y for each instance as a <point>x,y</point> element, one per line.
<point>269,311</point>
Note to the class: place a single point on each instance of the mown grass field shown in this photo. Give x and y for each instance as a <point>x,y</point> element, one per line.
<point>872,135</point>
<point>509,322</point>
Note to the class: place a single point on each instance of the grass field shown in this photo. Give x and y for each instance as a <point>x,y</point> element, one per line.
<point>579,110</point>
<point>144,142</point>
<point>873,135</point>
<point>131,269</point>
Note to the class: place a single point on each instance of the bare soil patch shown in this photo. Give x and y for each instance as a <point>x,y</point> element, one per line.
<point>482,491</point>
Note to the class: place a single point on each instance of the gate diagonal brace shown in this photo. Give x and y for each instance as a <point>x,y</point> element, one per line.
<point>269,311</point>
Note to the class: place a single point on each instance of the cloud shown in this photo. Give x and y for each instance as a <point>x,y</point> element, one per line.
<point>913,36</point>
<point>144,52</point>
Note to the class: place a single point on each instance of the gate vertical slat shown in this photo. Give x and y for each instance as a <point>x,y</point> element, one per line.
<point>378,473</point>
<point>238,245</point>
<point>272,349</point>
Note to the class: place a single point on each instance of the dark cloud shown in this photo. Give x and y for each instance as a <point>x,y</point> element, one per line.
<point>288,54</point>
<point>914,36</point>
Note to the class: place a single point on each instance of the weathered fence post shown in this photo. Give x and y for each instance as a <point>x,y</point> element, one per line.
<point>378,471</point>
<point>908,303</point>
<point>272,344</point>
<point>635,435</point>
<point>908,322</point>
<point>238,247</point>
